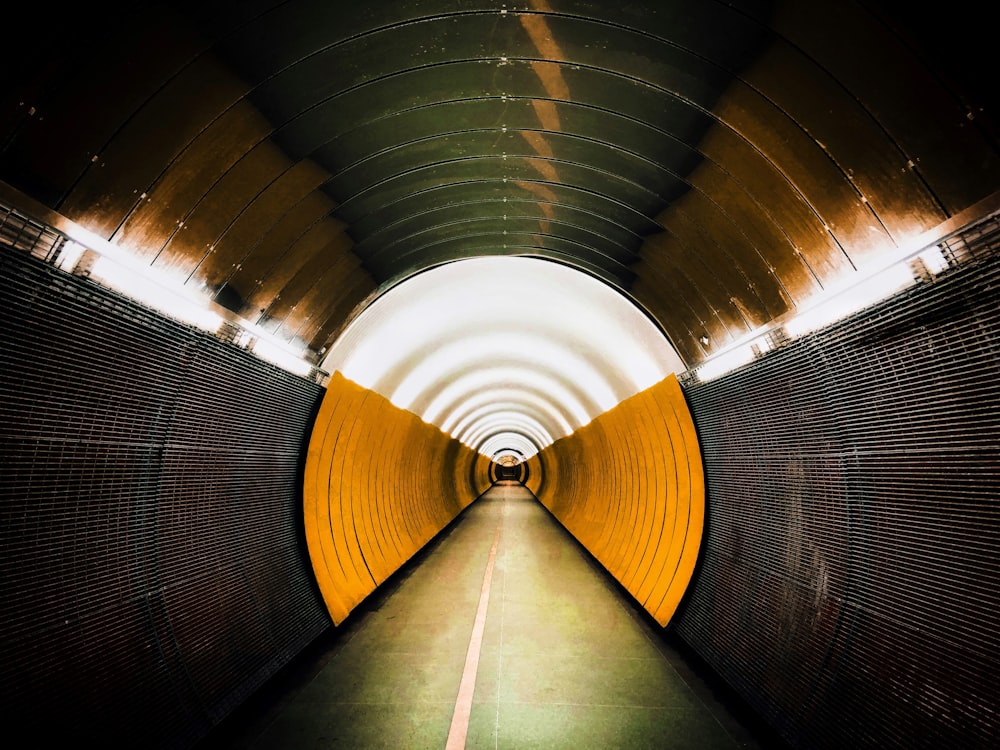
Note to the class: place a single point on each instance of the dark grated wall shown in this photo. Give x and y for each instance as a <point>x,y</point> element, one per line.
<point>849,585</point>
<point>153,570</point>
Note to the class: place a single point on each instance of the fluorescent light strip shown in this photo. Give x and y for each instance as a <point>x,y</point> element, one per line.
<point>506,397</point>
<point>475,435</point>
<point>175,300</point>
<point>835,303</point>
<point>501,419</point>
<point>448,341</point>
<point>508,441</point>
<point>490,380</point>
<point>528,349</point>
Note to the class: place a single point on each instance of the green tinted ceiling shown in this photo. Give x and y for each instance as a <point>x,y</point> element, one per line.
<point>719,163</point>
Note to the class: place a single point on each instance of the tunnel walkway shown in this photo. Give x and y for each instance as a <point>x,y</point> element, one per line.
<point>507,602</point>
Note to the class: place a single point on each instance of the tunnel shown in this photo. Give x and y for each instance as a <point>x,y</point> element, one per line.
<point>305,303</point>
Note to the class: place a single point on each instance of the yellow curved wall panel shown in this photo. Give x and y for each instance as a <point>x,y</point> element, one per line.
<point>666,566</point>
<point>480,473</point>
<point>651,525</point>
<point>674,489</point>
<point>630,487</point>
<point>372,490</point>
<point>318,525</point>
<point>535,473</point>
<point>643,468</point>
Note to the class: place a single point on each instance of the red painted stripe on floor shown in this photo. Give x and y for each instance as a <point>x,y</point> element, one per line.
<point>463,704</point>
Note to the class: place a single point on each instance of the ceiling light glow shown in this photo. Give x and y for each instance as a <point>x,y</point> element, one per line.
<point>508,442</point>
<point>476,433</point>
<point>503,345</point>
<point>171,300</point>
<point>842,303</point>
<point>544,353</point>
<point>485,403</point>
<point>501,377</point>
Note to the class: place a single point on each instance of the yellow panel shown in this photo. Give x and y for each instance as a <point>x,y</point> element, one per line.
<point>635,501</point>
<point>386,515</point>
<point>364,433</point>
<point>696,507</point>
<point>340,567</point>
<point>644,466</point>
<point>370,498</point>
<point>658,500</point>
<point>669,443</point>
<point>630,487</point>
<point>536,477</point>
<point>666,575</point>
<point>317,515</point>
<point>477,479</point>
<point>616,446</point>
<point>357,579</point>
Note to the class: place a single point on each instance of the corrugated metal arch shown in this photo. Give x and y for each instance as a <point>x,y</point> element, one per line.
<point>718,163</point>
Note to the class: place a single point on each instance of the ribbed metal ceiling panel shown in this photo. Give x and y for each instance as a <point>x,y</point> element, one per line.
<point>720,163</point>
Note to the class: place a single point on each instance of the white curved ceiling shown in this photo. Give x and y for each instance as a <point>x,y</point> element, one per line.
<point>503,352</point>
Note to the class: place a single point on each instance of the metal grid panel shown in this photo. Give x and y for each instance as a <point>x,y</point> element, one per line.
<point>24,233</point>
<point>153,572</point>
<point>849,582</point>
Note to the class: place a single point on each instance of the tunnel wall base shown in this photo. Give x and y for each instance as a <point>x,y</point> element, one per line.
<point>848,584</point>
<point>154,566</point>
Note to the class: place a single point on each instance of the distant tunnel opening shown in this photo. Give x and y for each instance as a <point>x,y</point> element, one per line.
<point>508,472</point>
<point>508,466</point>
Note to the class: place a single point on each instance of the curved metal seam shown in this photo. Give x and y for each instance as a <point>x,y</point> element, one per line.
<point>486,13</point>
<point>646,84</point>
<point>513,98</point>
<point>766,264</point>
<point>519,228</point>
<point>386,247</point>
<point>740,267</point>
<point>575,104</point>
<point>698,290</point>
<point>846,173</point>
<point>550,185</point>
<point>248,251</point>
<point>504,201</point>
<point>689,185</point>
<point>400,146</point>
<point>499,157</point>
<point>460,238</point>
<point>693,105</point>
<point>472,12</point>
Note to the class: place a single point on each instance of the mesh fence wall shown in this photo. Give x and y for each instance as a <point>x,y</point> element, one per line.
<point>153,570</point>
<point>849,584</point>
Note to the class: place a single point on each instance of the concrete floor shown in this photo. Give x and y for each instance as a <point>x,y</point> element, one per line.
<point>565,660</point>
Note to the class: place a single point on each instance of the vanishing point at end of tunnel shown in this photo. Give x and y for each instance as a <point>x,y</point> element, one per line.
<point>487,374</point>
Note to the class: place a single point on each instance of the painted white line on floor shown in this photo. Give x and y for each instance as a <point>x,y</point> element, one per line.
<point>503,605</point>
<point>463,704</point>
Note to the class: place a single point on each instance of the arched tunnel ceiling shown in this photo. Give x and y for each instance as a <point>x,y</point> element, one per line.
<point>720,163</point>
<point>538,351</point>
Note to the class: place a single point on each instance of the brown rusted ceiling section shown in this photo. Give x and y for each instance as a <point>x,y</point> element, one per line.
<point>717,162</point>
